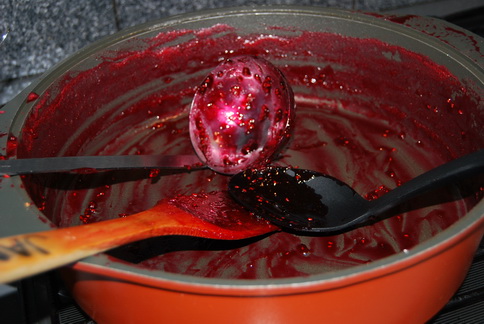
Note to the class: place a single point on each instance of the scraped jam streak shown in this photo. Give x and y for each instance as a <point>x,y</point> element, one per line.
<point>241,114</point>
<point>374,119</point>
<point>216,207</point>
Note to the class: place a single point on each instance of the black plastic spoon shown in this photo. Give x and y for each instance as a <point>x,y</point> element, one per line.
<point>307,201</point>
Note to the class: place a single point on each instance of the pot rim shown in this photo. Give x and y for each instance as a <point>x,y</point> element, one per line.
<point>395,263</point>
<point>470,224</point>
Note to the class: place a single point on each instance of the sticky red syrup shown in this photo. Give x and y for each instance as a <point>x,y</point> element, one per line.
<point>32,97</point>
<point>216,207</point>
<point>361,117</point>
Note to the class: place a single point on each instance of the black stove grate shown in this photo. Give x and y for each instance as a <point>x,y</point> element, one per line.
<point>467,305</point>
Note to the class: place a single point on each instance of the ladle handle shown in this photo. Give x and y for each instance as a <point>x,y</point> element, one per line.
<point>86,163</point>
<point>468,165</point>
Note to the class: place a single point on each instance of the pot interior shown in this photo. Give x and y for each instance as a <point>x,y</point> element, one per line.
<point>375,108</point>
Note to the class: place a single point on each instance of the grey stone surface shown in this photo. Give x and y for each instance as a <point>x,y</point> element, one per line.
<point>43,32</point>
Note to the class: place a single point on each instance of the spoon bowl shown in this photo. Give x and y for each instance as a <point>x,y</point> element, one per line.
<point>311,202</point>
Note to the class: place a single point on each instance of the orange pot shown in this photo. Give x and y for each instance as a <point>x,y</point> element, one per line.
<point>335,60</point>
<point>394,290</point>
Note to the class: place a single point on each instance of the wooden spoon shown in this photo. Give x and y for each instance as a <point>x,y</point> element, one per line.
<point>28,254</point>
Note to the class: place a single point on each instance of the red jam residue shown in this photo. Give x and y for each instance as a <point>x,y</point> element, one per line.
<point>32,97</point>
<point>216,207</point>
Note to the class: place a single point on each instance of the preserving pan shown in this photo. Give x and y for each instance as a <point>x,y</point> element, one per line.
<point>404,92</point>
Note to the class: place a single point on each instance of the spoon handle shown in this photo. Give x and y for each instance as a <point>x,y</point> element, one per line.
<point>468,165</point>
<point>86,163</point>
<point>28,254</point>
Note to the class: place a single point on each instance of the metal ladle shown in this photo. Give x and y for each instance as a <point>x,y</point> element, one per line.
<point>229,130</point>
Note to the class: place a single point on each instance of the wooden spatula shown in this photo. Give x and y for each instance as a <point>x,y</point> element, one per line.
<point>212,216</point>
